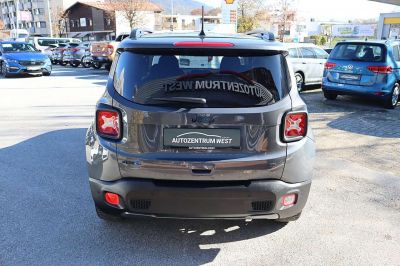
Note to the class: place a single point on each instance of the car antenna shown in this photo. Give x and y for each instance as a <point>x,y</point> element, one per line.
<point>202,34</point>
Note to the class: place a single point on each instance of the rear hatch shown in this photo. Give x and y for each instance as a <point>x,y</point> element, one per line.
<point>355,63</point>
<point>201,116</point>
<point>101,49</point>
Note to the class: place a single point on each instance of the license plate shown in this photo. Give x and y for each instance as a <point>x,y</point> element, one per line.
<point>350,77</point>
<point>202,139</point>
<point>34,68</point>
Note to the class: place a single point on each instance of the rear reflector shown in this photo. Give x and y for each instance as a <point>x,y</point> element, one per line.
<point>381,69</point>
<point>329,65</point>
<point>108,123</point>
<point>295,126</point>
<point>111,198</point>
<point>204,44</point>
<point>289,200</point>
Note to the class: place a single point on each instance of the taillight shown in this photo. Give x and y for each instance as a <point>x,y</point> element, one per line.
<point>108,123</point>
<point>295,126</point>
<point>329,65</point>
<point>110,49</point>
<point>204,44</point>
<point>381,69</point>
<point>74,50</point>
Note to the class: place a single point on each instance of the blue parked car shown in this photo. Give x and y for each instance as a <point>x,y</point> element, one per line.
<point>365,68</point>
<point>22,58</point>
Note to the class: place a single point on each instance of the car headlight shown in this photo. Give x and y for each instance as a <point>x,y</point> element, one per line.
<point>12,61</point>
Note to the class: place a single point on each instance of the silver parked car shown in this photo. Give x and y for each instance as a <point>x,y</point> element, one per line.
<point>195,126</point>
<point>308,62</point>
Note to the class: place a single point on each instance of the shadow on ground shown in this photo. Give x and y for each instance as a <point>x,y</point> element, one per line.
<point>47,215</point>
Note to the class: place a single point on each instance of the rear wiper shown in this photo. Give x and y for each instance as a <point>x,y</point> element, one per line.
<point>182,100</point>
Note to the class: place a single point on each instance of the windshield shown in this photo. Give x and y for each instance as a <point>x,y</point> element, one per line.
<point>212,81</point>
<point>359,52</point>
<point>17,47</point>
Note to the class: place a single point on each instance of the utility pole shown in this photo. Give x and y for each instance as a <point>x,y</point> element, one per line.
<point>172,16</point>
<point>17,16</point>
<point>50,22</point>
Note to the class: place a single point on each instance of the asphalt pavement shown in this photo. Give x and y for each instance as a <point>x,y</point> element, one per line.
<point>47,215</point>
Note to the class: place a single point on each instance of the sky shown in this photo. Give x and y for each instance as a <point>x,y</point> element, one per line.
<point>341,10</point>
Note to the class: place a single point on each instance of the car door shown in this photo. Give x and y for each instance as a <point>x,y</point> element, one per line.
<point>295,59</point>
<point>310,64</point>
<point>322,56</point>
<point>396,59</point>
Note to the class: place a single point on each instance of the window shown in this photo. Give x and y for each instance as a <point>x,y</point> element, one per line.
<point>293,53</point>
<point>359,52</point>
<point>307,52</point>
<point>17,47</point>
<point>396,53</point>
<point>224,81</point>
<point>320,53</point>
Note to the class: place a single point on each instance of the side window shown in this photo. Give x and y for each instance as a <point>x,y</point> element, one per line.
<point>396,53</point>
<point>293,53</point>
<point>307,52</point>
<point>112,71</point>
<point>321,54</point>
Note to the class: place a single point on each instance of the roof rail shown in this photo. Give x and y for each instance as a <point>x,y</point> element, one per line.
<point>137,33</point>
<point>265,35</point>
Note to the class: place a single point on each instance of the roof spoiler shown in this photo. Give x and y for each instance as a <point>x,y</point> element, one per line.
<point>265,35</point>
<point>137,33</point>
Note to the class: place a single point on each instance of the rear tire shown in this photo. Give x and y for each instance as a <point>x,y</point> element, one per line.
<point>392,101</point>
<point>97,65</point>
<point>330,96</point>
<point>62,63</point>
<point>289,219</point>
<point>74,64</point>
<point>299,82</point>
<point>86,63</point>
<point>108,67</point>
<point>108,216</point>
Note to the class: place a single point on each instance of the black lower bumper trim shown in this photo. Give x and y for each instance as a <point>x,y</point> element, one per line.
<point>222,200</point>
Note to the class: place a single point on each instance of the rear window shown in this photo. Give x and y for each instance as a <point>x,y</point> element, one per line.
<point>359,52</point>
<point>218,80</point>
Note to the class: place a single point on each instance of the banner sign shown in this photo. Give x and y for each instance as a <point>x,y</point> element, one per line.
<point>353,30</point>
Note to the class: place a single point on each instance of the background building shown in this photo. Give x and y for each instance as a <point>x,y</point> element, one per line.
<point>97,21</point>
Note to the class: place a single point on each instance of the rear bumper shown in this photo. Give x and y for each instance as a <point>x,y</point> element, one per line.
<point>201,200</point>
<point>102,59</point>
<point>377,90</point>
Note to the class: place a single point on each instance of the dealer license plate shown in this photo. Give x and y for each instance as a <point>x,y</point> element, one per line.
<point>214,138</point>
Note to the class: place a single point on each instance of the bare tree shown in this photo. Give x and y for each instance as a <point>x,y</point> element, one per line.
<point>131,10</point>
<point>285,14</point>
<point>247,13</point>
<point>59,20</point>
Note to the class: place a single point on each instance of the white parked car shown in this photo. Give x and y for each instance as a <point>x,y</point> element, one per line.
<point>308,62</point>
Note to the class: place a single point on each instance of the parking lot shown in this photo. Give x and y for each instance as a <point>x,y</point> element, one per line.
<point>47,215</point>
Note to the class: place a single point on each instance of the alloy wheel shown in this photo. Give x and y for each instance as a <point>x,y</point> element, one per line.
<point>395,95</point>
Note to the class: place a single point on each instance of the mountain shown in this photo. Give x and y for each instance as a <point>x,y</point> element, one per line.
<point>180,6</point>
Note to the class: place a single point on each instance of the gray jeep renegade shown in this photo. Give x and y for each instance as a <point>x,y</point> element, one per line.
<point>195,126</point>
